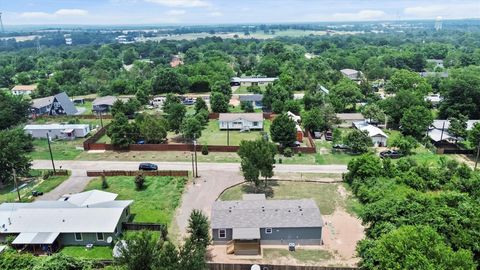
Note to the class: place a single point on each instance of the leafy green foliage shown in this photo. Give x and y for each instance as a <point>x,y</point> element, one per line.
<point>358,141</point>
<point>175,115</point>
<point>14,145</point>
<point>199,228</point>
<point>258,158</point>
<point>458,126</point>
<point>169,81</point>
<point>408,80</point>
<point>219,102</point>
<point>344,95</point>
<point>139,251</point>
<point>373,113</point>
<point>13,110</point>
<point>152,129</point>
<point>415,121</point>
<point>191,128</point>
<point>247,106</point>
<point>61,261</point>
<point>200,105</point>
<point>121,132</point>
<point>283,130</point>
<point>139,181</point>
<point>405,144</point>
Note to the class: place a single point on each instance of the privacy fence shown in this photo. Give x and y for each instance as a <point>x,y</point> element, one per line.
<point>135,173</point>
<point>224,266</point>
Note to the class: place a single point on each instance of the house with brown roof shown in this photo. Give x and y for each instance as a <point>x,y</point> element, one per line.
<point>241,121</point>
<point>24,89</point>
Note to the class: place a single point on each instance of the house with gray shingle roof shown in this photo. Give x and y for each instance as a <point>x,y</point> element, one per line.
<point>59,104</point>
<point>257,221</point>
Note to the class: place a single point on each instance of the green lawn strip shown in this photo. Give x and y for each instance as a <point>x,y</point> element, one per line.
<point>61,149</point>
<point>212,135</point>
<point>36,183</point>
<point>301,255</point>
<point>325,195</point>
<point>95,253</point>
<point>88,107</point>
<point>351,203</point>
<point>155,203</point>
<point>104,139</point>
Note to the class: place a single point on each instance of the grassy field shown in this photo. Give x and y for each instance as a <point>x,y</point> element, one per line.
<point>61,149</point>
<point>155,203</point>
<point>88,107</point>
<point>325,195</point>
<point>104,139</point>
<point>243,89</point>
<point>212,135</point>
<point>34,182</point>
<point>300,255</point>
<point>96,253</point>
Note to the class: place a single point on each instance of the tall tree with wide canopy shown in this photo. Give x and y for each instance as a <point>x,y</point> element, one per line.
<point>258,158</point>
<point>14,145</point>
<point>283,130</point>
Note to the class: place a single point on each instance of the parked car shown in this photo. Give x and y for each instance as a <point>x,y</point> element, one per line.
<point>36,193</point>
<point>328,135</point>
<point>340,147</point>
<point>147,167</point>
<point>317,135</point>
<point>390,154</point>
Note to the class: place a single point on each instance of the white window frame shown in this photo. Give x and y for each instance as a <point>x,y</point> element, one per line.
<point>268,230</point>
<point>220,233</point>
<point>103,237</point>
<point>75,236</point>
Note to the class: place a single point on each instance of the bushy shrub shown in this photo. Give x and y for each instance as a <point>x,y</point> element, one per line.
<point>204,150</point>
<point>139,181</point>
<point>288,152</point>
<point>104,182</point>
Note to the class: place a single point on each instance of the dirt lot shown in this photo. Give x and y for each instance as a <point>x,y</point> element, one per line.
<point>341,233</point>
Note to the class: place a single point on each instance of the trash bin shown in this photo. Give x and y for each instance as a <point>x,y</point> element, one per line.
<point>291,246</point>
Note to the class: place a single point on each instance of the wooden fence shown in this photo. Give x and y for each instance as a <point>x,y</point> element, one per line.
<point>94,138</point>
<point>225,266</point>
<point>455,151</point>
<point>144,226</point>
<point>80,116</point>
<point>135,173</point>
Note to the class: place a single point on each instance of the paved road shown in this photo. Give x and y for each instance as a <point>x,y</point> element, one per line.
<point>215,177</point>
<point>228,167</point>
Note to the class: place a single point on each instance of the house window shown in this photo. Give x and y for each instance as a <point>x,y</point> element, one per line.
<point>255,124</point>
<point>222,233</point>
<point>100,237</point>
<point>268,230</point>
<point>78,236</point>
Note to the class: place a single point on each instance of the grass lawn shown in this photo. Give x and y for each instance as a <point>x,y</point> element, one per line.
<point>243,90</point>
<point>35,182</point>
<point>104,139</point>
<point>212,135</point>
<point>155,203</point>
<point>300,255</point>
<point>326,195</point>
<point>97,252</point>
<point>61,149</point>
<point>88,107</point>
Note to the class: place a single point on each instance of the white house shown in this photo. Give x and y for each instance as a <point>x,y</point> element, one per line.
<point>352,74</point>
<point>249,81</point>
<point>24,89</point>
<point>58,131</point>
<point>438,131</point>
<point>379,138</point>
<point>241,121</point>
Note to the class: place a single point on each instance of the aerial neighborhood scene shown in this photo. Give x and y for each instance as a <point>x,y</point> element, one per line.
<point>239,135</point>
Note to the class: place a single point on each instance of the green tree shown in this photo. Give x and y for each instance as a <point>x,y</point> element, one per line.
<point>168,258</point>
<point>247,106</point>
<point>175,115</point>
<point>413,247</point>
<point>313,121</point>
<point>458,126</point>
<point>153,129</point>
<point>269,67</point>
<point>118,107</point>
<point>258,158</point>
<point>474,135</point>
<point>363,167</point>
<point>62,261</point>
<point>336,136</point>
<point>129,55</point>
<point>404,79</point>
<point>200,104</point>
<point>199,228</point>
<point>13,110</point>
<point>191,128</point>
<point>358,141</point>
<point>169,81</point>
<point>222,87</point>
<point>396,106</point>
<point>415,121</point>
<point>142,96</point>
<point>218,102</point>
<point>405,144</point>
<point>292,106</point>
<point>344,95</point>
<point>15,146</point>
<point>283,130</point>
<point>192,256</point>
<point>373,113</point>
<point>121,133</point>
<point>139,251</point>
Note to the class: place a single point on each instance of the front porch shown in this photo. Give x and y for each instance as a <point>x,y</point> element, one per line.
<point>245,241</point>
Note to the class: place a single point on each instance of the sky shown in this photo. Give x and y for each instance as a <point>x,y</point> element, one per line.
<point>191,12</point>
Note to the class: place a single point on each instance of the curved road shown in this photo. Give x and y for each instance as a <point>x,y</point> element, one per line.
<point>214,179</point>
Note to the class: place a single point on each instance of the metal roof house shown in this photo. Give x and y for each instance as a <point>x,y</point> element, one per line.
<point>241,121</point>
<point>103,104</point>
<point>92,217</point>
<point>245,225</point>
<point>58,131</point>
<point>352,74</point>
<point>24,89</point>
<point>379,138</point>
<point>438,131</point>
<point>59,104</point>
<point>249,81</point>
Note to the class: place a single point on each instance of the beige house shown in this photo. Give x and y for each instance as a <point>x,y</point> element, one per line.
<point>241,121</point>
<point>24,89</point>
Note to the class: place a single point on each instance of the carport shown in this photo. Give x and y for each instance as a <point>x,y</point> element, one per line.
<point>37,243</point>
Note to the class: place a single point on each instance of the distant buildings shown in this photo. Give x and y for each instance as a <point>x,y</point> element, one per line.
<point>439,130</point>
<point>58,131</point>
<point>255,100</point>
<point>60,104</point>
<point>249,81</point>
<point>176,61</point>
<point>435,99</point>
<point>352,74</point>
<point>24,89</point>
<point>103,104</point>
<point>241,121</point>
<point>347,119</point>
<point>247,224</point>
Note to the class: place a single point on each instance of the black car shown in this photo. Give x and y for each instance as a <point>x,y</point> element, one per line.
<point>390,154</point>
<point>36,193</point>
<point>147,167</point>
<point>340,147</point>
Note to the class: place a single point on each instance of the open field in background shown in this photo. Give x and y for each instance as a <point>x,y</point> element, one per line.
<point>95,253</point>
<point>155,203</point>
<point>34,182</point>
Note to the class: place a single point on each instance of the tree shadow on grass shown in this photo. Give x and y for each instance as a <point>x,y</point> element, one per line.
<point>261,189</point>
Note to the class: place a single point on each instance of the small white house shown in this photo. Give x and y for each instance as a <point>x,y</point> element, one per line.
<point>241,121</point>
<point>58,131</point>
<point>379,138</point>
<point>24,89</point>
<point>249,81</point>
<point>352,74</point>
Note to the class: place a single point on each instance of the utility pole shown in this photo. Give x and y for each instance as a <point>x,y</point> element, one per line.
<point>193,170</point>
<point>51,155</point>
<point>101,120</point>
<point>16,184</point>
<point>476,158</point>
<point>195,151</point>
<point>228,135</point>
